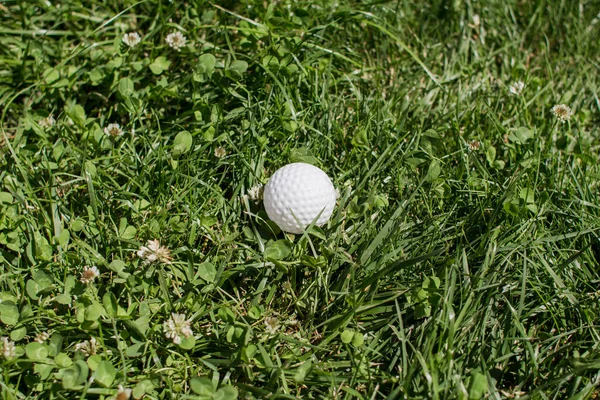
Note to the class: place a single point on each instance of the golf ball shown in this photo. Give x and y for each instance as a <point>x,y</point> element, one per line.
<point>297,194</point>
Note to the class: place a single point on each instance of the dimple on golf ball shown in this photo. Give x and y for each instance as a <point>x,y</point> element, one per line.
<point>296,194</point>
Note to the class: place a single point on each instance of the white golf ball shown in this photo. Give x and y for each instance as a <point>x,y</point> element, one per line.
<point>296,194</point>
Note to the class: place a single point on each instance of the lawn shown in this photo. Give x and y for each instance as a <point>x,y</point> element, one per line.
<point>461,260</point>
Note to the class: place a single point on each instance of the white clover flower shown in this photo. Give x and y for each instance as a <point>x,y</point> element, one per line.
<point>114,130</point>
<point>474,145</point>
<point>8,349</point>
<point>176,40</point>
<point>123,394</point>
<point>272,325</point>
<point>562,112</point>
<point>153,251</point>
<point>42,337</point>
<point>132,39</point>
<point>516,88</point>
<point>176,327</point>
<point>220,152</point>
<point>87,347</point>
<point>89,274</point>
<point>47,122</point>
<point>256,192</point>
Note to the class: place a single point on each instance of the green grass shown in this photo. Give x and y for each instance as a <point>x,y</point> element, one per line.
<point>462,259</point>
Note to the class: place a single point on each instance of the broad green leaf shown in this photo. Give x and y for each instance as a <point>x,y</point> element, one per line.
<point>277,250</point>
<point>422,310</point>
<point>304,155</point>
<point>75,375</point>
<point>114,63</point>
<point>290,126</point>
<point>206,64</point>
<point>227,392</point>
<point>55,344</point>
<point>302,371</point>
<point>51,75</point>
<point>105,373</point>
<point>77,114</point>
<point>421,294</point>
<point>43,370</point>
<point>187,343</point>
<point>236,69</point>
<point>521,135</point>
<point>9,313</point>
<point>226,314</point>
<point>347,336</point>
<point>36,351</point>
<point>139,327</point>
<point>125,87</point>
<point>94,312</point>
<point>511,208</point>
<point>230,334</point>
<point>43,278</point>
<point>135,350</point>
<point>7,296</point>
<point>490,155</point>
<point>528,195</point>
<point>160,65</point>
<point>291,69</point>
<point>255,312</point>
<point>208,220</point>
<point>110,303</point>
<point>139,390</point>
<point>433,172</point>
<point>94,361</point>
<point>479,385</point>
<point>63,238</point>
<point>6,197</point>
<point>235,113</point>
<point>126,231</point>
<point>63,299</point>
<point>96,75</point>
<point>32,289</point>
<point>431,282</point>
<point>140,205</point>
<point>119,267</point>
<point>378,201</point>
<point>137,65</point>
<point>202,386</point>
<point>129,233</point>
<point>207,272</point>
<point>63,360</point>
<point>209,134</point>
<point>414,161</point>
<point>270,62</point>
<point>69,377</point>
<point>249,352</point>
<point>239,66</point>
<point>90,168</point>
<point>43,250</point>
<point>77,225</point>
<point>182,144</point>
<point>361,138</point>
<point>358,339</point>
<point>18,334</point>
